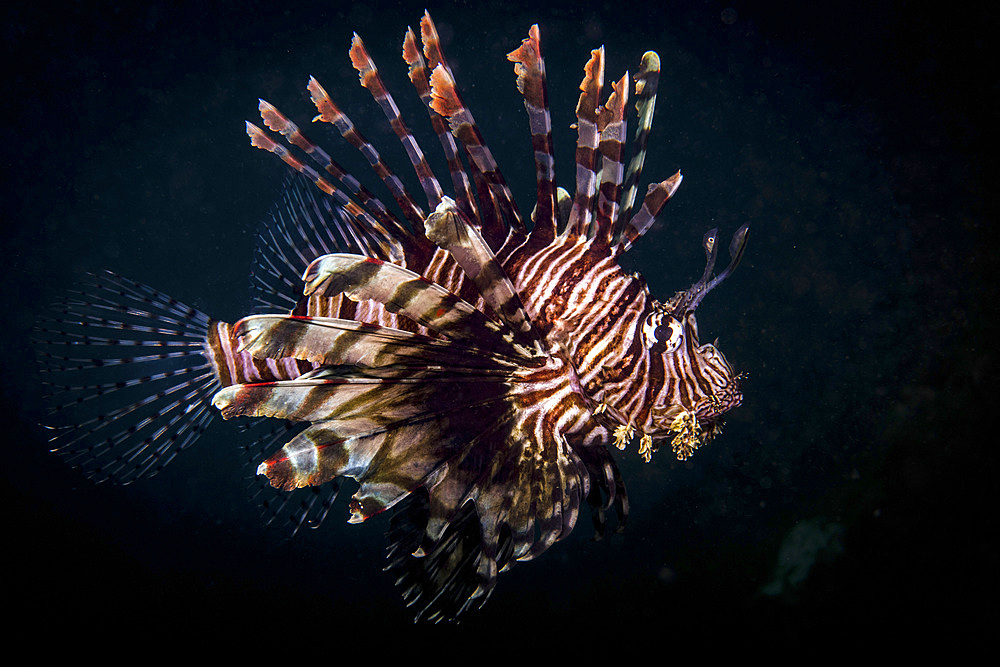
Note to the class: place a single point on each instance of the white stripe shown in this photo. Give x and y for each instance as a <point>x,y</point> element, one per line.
<point>303,457</point>
<point>227,350</point>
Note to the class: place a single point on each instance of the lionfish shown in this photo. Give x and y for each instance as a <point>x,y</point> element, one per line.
<point>467,369</point>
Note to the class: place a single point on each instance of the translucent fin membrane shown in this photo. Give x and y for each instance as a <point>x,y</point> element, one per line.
<point>607,488</point>
<point>128,385</point>
<point>447,579</point>
<point>302,226</point>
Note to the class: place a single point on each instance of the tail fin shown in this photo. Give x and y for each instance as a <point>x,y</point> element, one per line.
<point>127,375</point>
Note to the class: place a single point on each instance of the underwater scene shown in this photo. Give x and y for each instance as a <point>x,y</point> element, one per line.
<point>806,461</point>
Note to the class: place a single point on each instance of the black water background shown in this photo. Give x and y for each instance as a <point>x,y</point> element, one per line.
<point>848,495</point>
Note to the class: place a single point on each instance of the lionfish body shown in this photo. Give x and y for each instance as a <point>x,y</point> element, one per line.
<point>459,359</point>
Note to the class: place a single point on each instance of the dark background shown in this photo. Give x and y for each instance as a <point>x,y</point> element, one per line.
<point>848,496</point>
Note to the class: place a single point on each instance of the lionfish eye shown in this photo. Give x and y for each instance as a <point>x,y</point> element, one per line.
<point>661,328</point>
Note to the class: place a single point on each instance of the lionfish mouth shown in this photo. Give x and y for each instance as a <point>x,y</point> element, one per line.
<point>688,428</point>
<point>713,407</point>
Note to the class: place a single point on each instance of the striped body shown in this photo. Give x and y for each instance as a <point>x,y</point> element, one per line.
<point>232,366</point>
<point>502,359</point>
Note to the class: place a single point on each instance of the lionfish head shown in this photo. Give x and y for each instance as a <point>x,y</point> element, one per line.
<point>699,384</point>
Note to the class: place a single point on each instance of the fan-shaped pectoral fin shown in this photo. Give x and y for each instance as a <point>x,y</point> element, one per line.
<point>407,293</point>
<point>332,341</point>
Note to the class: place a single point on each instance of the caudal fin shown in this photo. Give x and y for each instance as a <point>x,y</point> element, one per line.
<point>128,384</point>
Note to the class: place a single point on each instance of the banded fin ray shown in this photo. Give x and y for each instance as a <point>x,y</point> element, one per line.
<point>611,125</point>
<point>417,69</point>
<point>333,341</point>
<point>491,210</point>
<point>331,113</point>
<point>646,82</point>
<point>278,122</point>
<point>529,66</point>
<point>588,139</point>
<point>447,102</point>
<point>451,230</point>
<point>126,375</point>
<point>656,197</point>
<point>371,80</point>
<point>407,293</point>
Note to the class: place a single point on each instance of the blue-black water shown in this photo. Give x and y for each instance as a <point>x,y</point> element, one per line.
<point>847,495</point>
